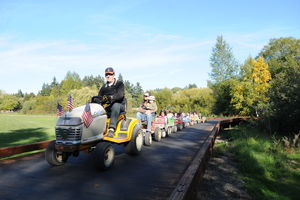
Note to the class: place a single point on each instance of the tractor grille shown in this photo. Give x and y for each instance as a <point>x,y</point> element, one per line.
<point>68,134</point>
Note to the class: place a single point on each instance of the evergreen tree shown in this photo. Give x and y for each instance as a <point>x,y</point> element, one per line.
<point>54,82</point>
<point>222,61</point>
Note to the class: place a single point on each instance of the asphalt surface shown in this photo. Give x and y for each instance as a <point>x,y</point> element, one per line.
<point>151,175</point>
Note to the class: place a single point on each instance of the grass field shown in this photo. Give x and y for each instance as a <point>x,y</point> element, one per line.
<point>269,170</point>
<point>18,129</point>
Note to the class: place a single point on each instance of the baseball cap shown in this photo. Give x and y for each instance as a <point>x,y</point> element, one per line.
<point>109,70</point>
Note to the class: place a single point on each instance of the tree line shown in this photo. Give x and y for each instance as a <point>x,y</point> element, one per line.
<point>185,99</point>
<point>56,92</point>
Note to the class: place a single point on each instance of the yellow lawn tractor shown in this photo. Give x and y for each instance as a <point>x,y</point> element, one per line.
<point>73,137</point>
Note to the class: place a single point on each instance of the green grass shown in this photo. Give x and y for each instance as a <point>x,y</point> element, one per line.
<point>25,129</point>
<point>269,170</point>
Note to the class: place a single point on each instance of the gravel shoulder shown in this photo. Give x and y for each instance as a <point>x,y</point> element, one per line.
<point>221,179</point>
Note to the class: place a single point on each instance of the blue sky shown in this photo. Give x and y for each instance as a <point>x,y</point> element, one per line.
<point>157,43</point>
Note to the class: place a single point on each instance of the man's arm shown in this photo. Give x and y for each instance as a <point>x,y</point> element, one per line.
<point>120,93</point>
<point>100,93</point>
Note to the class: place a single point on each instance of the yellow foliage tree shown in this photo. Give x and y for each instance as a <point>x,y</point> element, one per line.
<point>250,94</point>
<point>261,77</point>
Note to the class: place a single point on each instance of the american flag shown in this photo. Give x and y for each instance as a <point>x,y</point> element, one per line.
<point>87,115</point>
<point>70,102</point>
<point>59,110</point>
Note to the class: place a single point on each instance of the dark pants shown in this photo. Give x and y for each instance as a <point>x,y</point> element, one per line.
<point>114,112</point>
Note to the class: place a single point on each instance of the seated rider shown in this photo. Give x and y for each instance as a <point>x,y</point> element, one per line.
<point>112,93</point>
<point>147,110</point>
<point>163,114</point>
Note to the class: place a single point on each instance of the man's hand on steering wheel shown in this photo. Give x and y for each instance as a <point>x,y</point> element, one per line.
<point>106,99</point>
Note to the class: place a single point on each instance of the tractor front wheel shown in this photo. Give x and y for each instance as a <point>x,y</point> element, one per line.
<point>54,157</point>
<point>103,155</point>
<point>157,134</point>
<point>148,138</point>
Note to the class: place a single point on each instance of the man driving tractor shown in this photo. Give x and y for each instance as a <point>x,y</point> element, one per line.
<point>112,93</point>
<point>147,110</point>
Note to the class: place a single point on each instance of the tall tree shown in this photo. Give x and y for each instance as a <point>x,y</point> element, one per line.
<point>283,57</point>
<point>223,64</point>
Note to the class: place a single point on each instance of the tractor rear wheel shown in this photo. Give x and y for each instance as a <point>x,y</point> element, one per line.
<point>148,139</point>
<point>134,146</point>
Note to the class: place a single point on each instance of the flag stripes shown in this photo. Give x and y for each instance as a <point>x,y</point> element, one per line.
<point>70,102</point>
<point>59,110</point>
<point>87,115</point>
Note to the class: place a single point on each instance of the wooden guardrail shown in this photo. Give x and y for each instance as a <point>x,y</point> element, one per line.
<point>9,151</point>
<point>186,188</point>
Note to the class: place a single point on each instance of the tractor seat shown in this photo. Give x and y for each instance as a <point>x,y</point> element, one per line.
<point>122,114</point>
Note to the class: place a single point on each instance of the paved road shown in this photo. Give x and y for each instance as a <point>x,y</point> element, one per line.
<point>151,175</point>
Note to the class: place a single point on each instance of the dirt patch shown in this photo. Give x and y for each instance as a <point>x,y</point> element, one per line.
<point>221,179</point>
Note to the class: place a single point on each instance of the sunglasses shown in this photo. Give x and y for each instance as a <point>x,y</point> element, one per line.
<point>109,74</point>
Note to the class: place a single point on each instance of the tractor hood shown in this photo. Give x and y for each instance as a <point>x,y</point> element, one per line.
<point>74,117</point>
<point>70,129</point>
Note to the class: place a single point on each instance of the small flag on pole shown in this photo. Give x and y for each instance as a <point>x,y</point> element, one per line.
<point>87,115</point>
<point>70,102</point>
<point>59,110</point>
